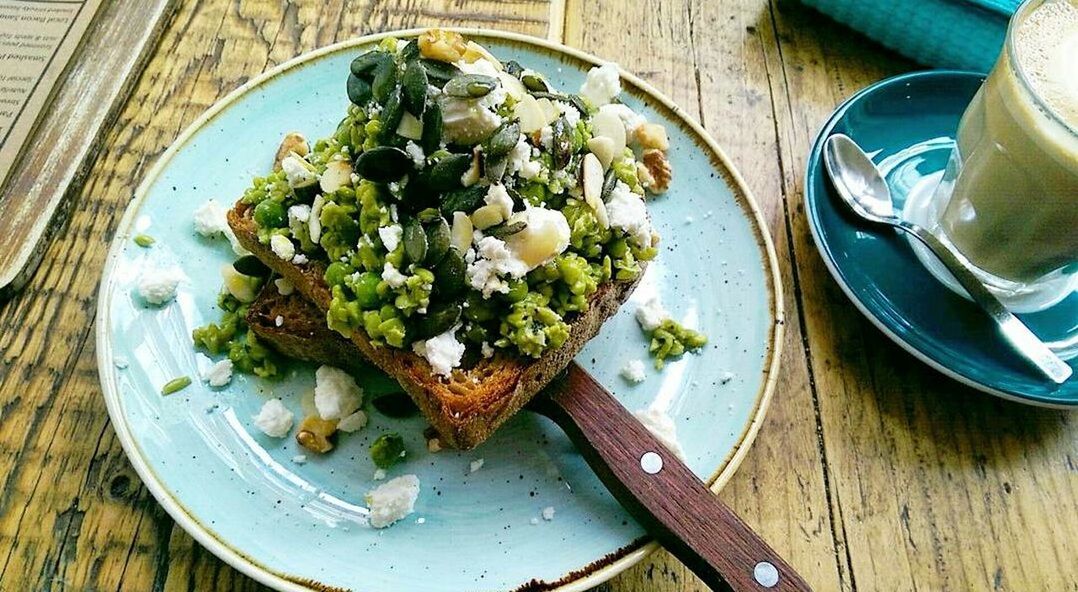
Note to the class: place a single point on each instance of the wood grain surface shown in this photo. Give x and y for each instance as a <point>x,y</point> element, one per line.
<point>871,472</point>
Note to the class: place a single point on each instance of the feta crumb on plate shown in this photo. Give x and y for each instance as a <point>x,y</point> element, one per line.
<point>662,426</point>
<point>476,464</point>
<point>157,286</point>
<point>633,371</point>
<point>379,474</point>
<point>651,314</point>
<point>548,513</point>
<point>336,393</point>
<point>392,500</point>
<point>274,419</point>
<point>602,84</point>
<point>219,374</point>
<point>211,219</point>
<point>353,423</point>
<point>299,459</point>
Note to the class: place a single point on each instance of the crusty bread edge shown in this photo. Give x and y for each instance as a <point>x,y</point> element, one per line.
<point>462,428</point>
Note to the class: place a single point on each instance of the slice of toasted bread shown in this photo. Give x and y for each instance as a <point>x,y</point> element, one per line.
<point>466,407</point>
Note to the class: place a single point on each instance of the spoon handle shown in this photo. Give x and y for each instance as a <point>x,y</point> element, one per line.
<point>661,492</point>
<point>1024,341</point>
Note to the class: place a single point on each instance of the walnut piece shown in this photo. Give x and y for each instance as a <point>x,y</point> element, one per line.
<point>445,46</point>
<point>292,142</point>
<point>652,135</point>
<point>314,433</point>
<point>659,168</point>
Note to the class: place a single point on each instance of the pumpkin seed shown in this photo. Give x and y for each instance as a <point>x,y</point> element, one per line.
<point>514,68</point>
<point>176,385</point>
<point>415,241</point>
<point>410,51</point>
<point>494,168</point>
<point>414,83</point>
<point>440,318</point>
<point>463,200</point>
<point>439,238</point>
<point>359,91</point>
<point>502,231</point>
<point>363,65</point>
<point>395,405</point>
<point>573,100</point>
<point>432,128</point>
<point>385,79</point>
<point>562,145</point>
<point>470,86</point>
<point>428,215</point>
<point>144,240</point>
<point>417,194</point>
<point>503,140</point>
<point>609,182</point>
<point>251,265</point>
<point>446,174</point>
<point>438,73</point>
<point>383,164</point>
<point>534,82</point>
<point>449,274</point>
<point>518,199</point>
<point>392,113</point>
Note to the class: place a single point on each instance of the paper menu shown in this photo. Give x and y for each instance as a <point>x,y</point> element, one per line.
<point>37,40</point>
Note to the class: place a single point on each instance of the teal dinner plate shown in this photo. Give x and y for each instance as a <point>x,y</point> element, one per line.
<point>298,525</point>
<point>907,125</point>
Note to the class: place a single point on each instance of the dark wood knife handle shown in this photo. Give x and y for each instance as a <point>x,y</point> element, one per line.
<point>661,493</point>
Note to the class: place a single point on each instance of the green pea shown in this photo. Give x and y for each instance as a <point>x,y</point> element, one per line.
<point>387,450</point>
<point>517,291</point>
<point>270,214</point>
<point>176,385</point>
<point>336,272</point>
<point>366,289</point>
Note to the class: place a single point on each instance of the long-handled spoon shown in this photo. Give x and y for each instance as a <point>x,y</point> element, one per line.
<point>862,188</point>
<point>662,493</point>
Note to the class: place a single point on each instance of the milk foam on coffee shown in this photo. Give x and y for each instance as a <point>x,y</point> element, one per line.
<point>1046,45</point>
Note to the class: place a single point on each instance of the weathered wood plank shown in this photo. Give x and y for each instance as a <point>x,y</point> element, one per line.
<point>935,486</point>
<point>710,58</point>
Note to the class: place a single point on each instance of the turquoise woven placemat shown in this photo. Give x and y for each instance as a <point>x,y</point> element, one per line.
<point>962,34</point>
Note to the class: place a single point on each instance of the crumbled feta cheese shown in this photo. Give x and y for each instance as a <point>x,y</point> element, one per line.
<point>466,121</point>
<point>219,374</point>
<point>299,459</point>
<point>630,118</point>
<point>520,161</point>
<point>353,423</point>
<point>379,474</point>
<point>393,500</point>
<point>211,219</point>
<point>157,285</point>
<point>602,84</point>
<point>492,261</point>
<point>534,521</point>
<point>651,314</point>
<point>391,236</point>
<point>336,393</point>
<point>298,214</point>
<point>548,513</point>
<point>284,287</point>
<point>662,426</point>
<point>476,464</point>
<point>487,350</point>
<point>546,137</point>
<point>443,352</point>
<point>282,246</point>
<point>278,321</point>
<point>627,212</point>
<point>299,259</point>
<point>572,116</point>
<point>391,276</point>
<point>274,419</point>
<point>498,197</point>
<point>633,371</point>
<point>296,172</point>
<point>420,520</point>
<point>416,153</point>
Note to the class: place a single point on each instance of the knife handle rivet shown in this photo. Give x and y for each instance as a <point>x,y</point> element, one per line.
<point>651,462</point>
<point>765,574</point>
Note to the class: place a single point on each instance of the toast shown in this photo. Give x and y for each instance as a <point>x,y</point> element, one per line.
<point>465,408</point>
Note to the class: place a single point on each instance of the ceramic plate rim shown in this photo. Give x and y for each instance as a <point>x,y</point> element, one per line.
<point>592,574</point>
<point>813,170</point>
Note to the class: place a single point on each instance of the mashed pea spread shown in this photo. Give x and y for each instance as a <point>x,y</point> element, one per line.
<point>462,204</point>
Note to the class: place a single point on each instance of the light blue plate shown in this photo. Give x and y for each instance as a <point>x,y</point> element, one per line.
<point>291,525</point>
<point>907,123</point>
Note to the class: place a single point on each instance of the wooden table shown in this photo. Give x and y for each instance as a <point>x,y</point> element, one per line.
<point>871,473</point>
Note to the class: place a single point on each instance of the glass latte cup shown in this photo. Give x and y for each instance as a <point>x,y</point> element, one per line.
<point>1008,199</point>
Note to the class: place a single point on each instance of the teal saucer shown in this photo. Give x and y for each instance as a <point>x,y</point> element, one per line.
<point>907,124</point>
